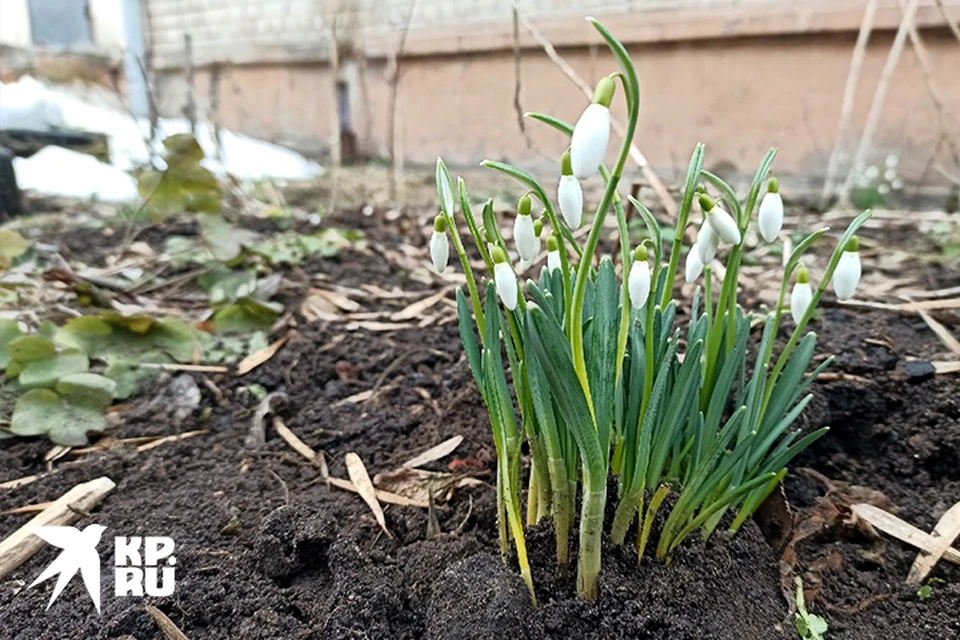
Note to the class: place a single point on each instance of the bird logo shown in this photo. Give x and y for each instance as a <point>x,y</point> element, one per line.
<point>79,554</point>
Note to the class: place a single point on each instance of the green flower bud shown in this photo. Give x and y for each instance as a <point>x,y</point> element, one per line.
<point>773,186</point>
<point>538,227</point>
<point>640,254</point>
<point>552,244</point>
<point>440,224</point>
<point>706,202</point>
<point>803,275</point>
<point>603,94</point>
<point>523,206</point>
<point>498,255</point>
<point>566,167</point>
<point>853,244</point>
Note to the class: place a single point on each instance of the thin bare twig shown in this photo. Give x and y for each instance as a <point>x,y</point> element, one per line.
<point>952,22</point>
<point>396,173</point>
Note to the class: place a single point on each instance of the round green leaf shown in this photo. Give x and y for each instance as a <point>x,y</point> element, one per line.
<point>34,411</point>
<point>45,373</point>
<point>87,389</point>
<point>30,348</point>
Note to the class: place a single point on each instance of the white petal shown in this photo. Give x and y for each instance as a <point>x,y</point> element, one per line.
<point>439,251</point>
<point>707,243</point>
<point>639,284</point>
<point>693,267</point>
<point>800,300</point>
<point>528,244</point>
<point>771,216</point>
<point>525,264</point>
<point>570,197</point>
<point>506,283</point>
<point>724,225</point>
<point>847,276</point>
<point>588,144</point>
<point>553,260</point>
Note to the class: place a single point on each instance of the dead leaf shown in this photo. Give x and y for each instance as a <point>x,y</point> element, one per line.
<point>416,309</point>
<point>18,482</point>
<point>441,450</point>
<point>337,300</point>
<point>946,531</point>
<point>418,484</point>
<point>942,332</point>
<point>315,308</point>
<point>259,356</point>
<point>382,496</point>
<point>291,439</point>
<point>361,480</point>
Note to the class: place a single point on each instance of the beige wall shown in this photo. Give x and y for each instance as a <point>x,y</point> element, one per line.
<point>15,23</point>
<point>774,78</point>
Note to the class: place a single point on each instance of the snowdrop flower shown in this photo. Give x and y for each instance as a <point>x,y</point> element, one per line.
<point>897,184</point>
<point>639,283</point>
<point>439,246</point>
<point>891,161</point>
<point>505,279</point>
<point>720,221</point>
<point>771,211</point>
<point>707,244</point>
<point>524,265</point>
<point>523,231</point>
<point>847,276</point>
<point>693,267</point>
<point>890,175</point>
<point>569,193</point>
<point>588,144</point>
<point>883,189</point>
<point>801,296</point>
<point>553,254</point>
<point>871,172</point>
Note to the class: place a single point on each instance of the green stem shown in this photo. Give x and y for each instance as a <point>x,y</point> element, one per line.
<point>643,534</point>
<point>533,496</point>
<point>623,517</point>
<point>591,530</point>
<point>562,509</point>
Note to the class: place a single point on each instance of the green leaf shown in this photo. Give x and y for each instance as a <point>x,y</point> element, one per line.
<point>46,372</point>
<point>224,240</point>
<point>129,379</point>
<point>225,286</point>
<point>29,348</point>
<point>9,331</point>
<point>558,124</point>
<point>12,245</point>
<point>66,420</point>
<point>185,185</point>
<point>246,315</point>
<point>87,389</point>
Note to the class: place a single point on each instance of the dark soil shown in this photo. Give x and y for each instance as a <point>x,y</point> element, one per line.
<point>265,550</point>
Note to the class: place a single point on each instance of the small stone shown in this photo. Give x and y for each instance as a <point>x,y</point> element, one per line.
<point>918,370</point>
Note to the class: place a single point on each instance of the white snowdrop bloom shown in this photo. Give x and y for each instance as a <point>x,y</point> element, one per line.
<point>871,172</point>
<point>553,254</point>
<point>897,184</point>
<point>801,296</point>
<point>883,189</point>
<point>439,245</point>
<point>638,284</point>
<point>693,267</point>
<point>707,244</point>
<point>570,194</point>
<point>771,211</point>
<point>847,276</point>
<point>588,144</point>
<point>720,221</point>
<point>528,244</point>
<point>525,264</point>
<point>890,175</point>
<point>891,161</point>
<point>505,279</point>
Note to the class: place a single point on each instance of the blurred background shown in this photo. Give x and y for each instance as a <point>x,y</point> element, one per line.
<point>862,97</point>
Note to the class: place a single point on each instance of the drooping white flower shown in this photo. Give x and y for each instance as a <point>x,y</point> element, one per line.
<point>771,211</point>
<point>722,222</point>
<point>871,172</point>
<point>638,284</point>
<point>891,161</point>
<point>801,296</point>
<point>553,254</point>
<point>847,275</point>
<point>588,144</point>
<point>505,279</point>
<point>693,267</point>
<point>570,193</point>
<point>707,244</point>
<point>439,245</point>
<point>524,264</point>
<point>528,244</point>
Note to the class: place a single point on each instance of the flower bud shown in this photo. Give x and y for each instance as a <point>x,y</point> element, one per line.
<point>694,267</point>
<point>439,245</point>
<point>588,144</point>
<point>505,279</point>
<point>639,281</point>
<point>771,211</point>
<point>524,234</point>
<point>801,296</point>
<point>553,254</point>
<point>707,243</point>
<point>847,276</point>
<point>722,222</point>
<point>570,194</point>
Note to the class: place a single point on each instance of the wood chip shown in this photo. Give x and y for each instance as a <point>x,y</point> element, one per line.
<point>417,309</point>
<point>903,531</point>
<point>18,482</point>
<point>361,480</point>
<point>382,496</point>
<point>27,508</point>
<point>435,453</point>
<point>291,439</point>
<point>20,545</point>
<point>946,531</point>
<point>337,300</point>
<point>946,367</point>
<point>942,332</point>
<point>379,326</point>
<point>259,356</point>
<point>169,630</point>
<point>181,436</point>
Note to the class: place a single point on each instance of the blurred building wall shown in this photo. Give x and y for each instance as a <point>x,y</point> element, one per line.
<point>738,75</point>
